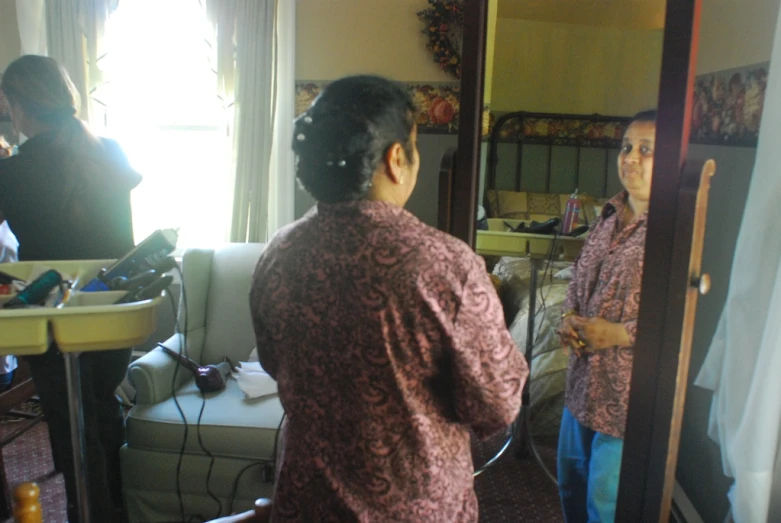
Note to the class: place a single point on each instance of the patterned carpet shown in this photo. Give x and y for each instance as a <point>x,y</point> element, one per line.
<point>512,490</point>
<point>515,489</point>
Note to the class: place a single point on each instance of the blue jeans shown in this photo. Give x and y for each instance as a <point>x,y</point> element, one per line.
<point>589,465</point>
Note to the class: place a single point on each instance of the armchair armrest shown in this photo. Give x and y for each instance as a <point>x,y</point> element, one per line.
<point>152,374</point>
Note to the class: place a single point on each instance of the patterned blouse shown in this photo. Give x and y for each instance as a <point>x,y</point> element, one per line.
<point>606,284</point>
<point>388,343</point>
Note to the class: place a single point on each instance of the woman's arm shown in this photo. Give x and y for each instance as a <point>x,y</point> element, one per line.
<point>488,371</point>
<point>598,333</point>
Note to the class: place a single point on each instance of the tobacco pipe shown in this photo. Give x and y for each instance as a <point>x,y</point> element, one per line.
<point>208,378</point>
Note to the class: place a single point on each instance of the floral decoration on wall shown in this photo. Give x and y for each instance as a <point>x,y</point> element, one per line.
<point>444,29</point>
<point>727,106</point>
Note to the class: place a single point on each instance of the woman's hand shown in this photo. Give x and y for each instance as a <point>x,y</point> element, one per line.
<point>598,333</point>
<point>569,336</point>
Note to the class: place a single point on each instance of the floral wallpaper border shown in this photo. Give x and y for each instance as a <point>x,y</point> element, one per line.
<point>727,106</point>
<point>559,131</point>
<point>437,103</point>
<point>439,108</point>
<point>727,110</point>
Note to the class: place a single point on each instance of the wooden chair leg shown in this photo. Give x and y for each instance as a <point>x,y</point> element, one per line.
<point>263,510</point>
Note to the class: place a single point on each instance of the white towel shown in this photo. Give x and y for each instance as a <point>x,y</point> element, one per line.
<point>253,380</point>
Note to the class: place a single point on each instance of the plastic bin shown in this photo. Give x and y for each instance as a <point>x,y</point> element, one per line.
<point>88,322</point>
<point>498,241</point>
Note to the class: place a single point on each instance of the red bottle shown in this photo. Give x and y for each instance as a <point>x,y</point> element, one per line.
<point>572,213</point>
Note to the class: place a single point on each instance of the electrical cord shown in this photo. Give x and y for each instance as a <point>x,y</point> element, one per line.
<point>203,403</point>
<point>273,465</point>
<point>184,351</point>
<point>514,425</point>
<point>181,414</point>
<point>535,338</point>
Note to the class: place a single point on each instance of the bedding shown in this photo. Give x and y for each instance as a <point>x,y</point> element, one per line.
<point>549,360</point>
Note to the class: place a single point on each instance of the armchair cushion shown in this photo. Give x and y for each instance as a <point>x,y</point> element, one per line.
<point>231,426</point>
<point>229,329</point>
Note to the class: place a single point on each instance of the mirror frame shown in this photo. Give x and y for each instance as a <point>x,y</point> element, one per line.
<point>656,399</point>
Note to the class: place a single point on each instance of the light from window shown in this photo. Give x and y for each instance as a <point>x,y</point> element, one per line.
<point>163,109</point>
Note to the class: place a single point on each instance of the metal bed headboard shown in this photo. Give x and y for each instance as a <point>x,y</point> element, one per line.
<point>574,130</point>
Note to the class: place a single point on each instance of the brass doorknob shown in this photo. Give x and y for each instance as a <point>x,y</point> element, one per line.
<point>702,284</point>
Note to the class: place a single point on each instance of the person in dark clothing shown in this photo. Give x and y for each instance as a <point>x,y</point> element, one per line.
<point>66,196</point>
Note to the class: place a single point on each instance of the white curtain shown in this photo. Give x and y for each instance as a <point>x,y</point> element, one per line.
<point>31,18</point>
<point>75,32</point>
<point>262,83</point>
<point>253,118</point>
<point>282,185</point>
<point>744,360</point>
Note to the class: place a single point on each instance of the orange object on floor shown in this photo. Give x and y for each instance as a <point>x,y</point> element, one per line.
<point>27,508</point>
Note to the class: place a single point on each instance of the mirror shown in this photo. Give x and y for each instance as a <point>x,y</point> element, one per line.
<point>571,77</point>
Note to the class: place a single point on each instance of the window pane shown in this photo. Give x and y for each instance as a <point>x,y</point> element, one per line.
<point>163,109</point>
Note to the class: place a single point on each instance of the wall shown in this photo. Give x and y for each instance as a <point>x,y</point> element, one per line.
<point>378,37</point>
<point>9,33</point>
<point>341,37</point>
<point>565,68</point>
<point>732,34</point>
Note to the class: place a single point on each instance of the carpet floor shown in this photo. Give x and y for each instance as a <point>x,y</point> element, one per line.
<point>511,490</point>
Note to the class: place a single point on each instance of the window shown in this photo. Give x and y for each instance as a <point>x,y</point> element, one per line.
<point>164,110</point>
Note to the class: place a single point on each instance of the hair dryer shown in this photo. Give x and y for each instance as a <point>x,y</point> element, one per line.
<point>208,378</point>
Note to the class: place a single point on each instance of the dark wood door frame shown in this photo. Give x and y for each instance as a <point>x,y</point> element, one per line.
<point>650,428</point>
<point>665,282</point>
<point>463,216</point>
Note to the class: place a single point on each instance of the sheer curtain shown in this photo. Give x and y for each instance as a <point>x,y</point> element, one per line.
<point>263,115</point>
<point>31,18</point>
<point>75,31</point>
<point>745,355</point>
<point>282,184</point>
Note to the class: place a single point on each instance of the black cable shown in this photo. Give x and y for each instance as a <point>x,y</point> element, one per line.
<point>203,403</point>
<point>535,338</point>
<point>273,464</point>
<point>182,348</point>
<point>211,456</point>
<point>181,414</point>
<point>542,308</point>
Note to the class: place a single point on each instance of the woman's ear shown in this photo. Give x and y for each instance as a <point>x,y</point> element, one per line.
<point>395,162</point>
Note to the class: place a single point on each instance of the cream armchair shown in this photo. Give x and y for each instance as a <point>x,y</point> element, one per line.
<point>238,432</point>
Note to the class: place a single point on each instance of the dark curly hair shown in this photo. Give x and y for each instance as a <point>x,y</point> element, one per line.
<point>343,137</point>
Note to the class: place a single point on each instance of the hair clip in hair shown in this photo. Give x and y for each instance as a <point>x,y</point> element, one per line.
<point>300,137</point>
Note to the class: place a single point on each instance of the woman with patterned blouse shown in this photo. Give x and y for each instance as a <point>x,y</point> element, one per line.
<point>599,326</point>
<point>386,336</point>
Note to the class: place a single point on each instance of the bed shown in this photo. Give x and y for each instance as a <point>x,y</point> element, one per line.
<point>535,161</point>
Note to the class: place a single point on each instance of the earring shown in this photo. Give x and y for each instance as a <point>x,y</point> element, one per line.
<point>401,181</point>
